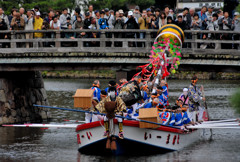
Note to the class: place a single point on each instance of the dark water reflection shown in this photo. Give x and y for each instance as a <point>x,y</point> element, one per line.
<point>34,144</point>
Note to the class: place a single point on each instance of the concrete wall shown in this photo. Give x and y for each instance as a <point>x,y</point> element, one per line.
<point>18,92</point>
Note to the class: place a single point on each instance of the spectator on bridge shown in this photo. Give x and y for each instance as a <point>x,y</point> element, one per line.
<point>196,22</point>
<point>112,12</point>
<point>90,10</point>
<point>89,22</point>
<point>4,18</point>
<point>69,35</point>
<point>149,12</point>
<point>136,12</point>
<point>202,15</point>
<point>55,24</point>
<point>186,17</point>
<point>22,11</point>
<point>10,17</point>
<point>29,26</point>
<point>38,23</point>
<point>74,17</point>
<point>167,11</point>
<point>118,23</point>
<point>50,17</point>
<point>63,18</point>
<point>18,23</point>
<point>103,23</point>
<point>170,20</point>
<point>220,14</point>
<point>131,23</point>
<point>192,12</point>
<point>162,20</point>
<point>153,24</point>
<point>181,23</point>
<point>97,17</point>
<point>236,28</point>
<point>157,13</point>
<point>3,26</point>
<point>143,24</point>
<point>210,13</point>
<point>109,18</point>
<point>212,25</point>
<point>121,14</point>
<point>225,24</point>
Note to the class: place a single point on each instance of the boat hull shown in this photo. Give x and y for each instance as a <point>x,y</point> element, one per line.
<point>139,141</point>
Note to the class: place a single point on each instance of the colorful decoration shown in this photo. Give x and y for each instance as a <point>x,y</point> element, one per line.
<point>165,53</point>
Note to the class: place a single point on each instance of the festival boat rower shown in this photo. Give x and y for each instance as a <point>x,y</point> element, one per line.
<point>195,98</point>
<point>167,116</point>
<point>112,105</point>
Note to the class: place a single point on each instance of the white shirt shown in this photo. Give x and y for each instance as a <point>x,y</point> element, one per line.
<point>55,25</point>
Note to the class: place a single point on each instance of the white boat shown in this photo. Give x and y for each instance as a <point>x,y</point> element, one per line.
<point>136,140</point>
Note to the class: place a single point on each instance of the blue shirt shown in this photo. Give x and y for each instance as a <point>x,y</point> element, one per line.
<point>149,105</point>
<point>97,92</point>
<point>202,17</point>
<point>162,100</point>
<point>103,23</point>
<point>181,119</point>
<point>165,91</point>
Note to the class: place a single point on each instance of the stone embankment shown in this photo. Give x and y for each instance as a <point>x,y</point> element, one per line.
<point>18,92</point>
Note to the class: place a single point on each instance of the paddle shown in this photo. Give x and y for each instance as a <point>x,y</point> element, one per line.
<point>96,113</point>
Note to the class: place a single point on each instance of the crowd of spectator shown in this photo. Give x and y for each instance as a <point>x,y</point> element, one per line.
<point>151,18</point>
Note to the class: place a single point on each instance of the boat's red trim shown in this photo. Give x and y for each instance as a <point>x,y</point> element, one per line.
<point>125,123</point>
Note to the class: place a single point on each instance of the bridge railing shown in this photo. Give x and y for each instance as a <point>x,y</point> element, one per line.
<point>117,41</point>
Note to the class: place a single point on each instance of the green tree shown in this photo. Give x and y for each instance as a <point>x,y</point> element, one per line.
<point>235,100</point>
<point>44,5</point>
<point>120,4</point>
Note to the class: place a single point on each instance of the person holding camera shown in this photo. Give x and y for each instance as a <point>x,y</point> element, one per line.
<point>18,23</point>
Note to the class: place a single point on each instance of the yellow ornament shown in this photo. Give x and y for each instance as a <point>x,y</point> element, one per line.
<point>178,63</point>
<point>173,71</point>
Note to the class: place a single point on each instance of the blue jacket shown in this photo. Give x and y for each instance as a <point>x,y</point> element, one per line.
<point>97,92</point>
<point>148,105</point>
<point>103,23</point>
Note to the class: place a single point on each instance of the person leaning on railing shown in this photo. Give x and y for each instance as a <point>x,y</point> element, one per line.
<point>29,26</point>
<point>225,24</point>
<point>18,23</point>
<point>236,28</point>
<point>38,23</point>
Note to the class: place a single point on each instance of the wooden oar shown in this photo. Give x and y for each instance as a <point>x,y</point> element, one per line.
<point>75,121</point>
<point>220,121</point>
<point>44,125</point>
<point>212,127</point>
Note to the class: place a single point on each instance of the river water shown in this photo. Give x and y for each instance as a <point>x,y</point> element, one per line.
<point>35,144</point>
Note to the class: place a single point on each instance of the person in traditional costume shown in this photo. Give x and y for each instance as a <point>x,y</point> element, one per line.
<point>167,116</point>
<point>112,105</point>
<point>111,83</point>
<point>162,98</point>
<point>153,104</point>
<point>97,90</point>
<point>195,99</point>
<point>131,94</point>
<point>184,97</point>
<point>181,116</point>
<point>89,117</point>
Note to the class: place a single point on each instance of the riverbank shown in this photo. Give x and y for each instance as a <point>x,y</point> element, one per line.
<point>109,74</point>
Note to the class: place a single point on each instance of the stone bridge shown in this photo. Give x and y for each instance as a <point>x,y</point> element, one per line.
<point>21,84</point>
